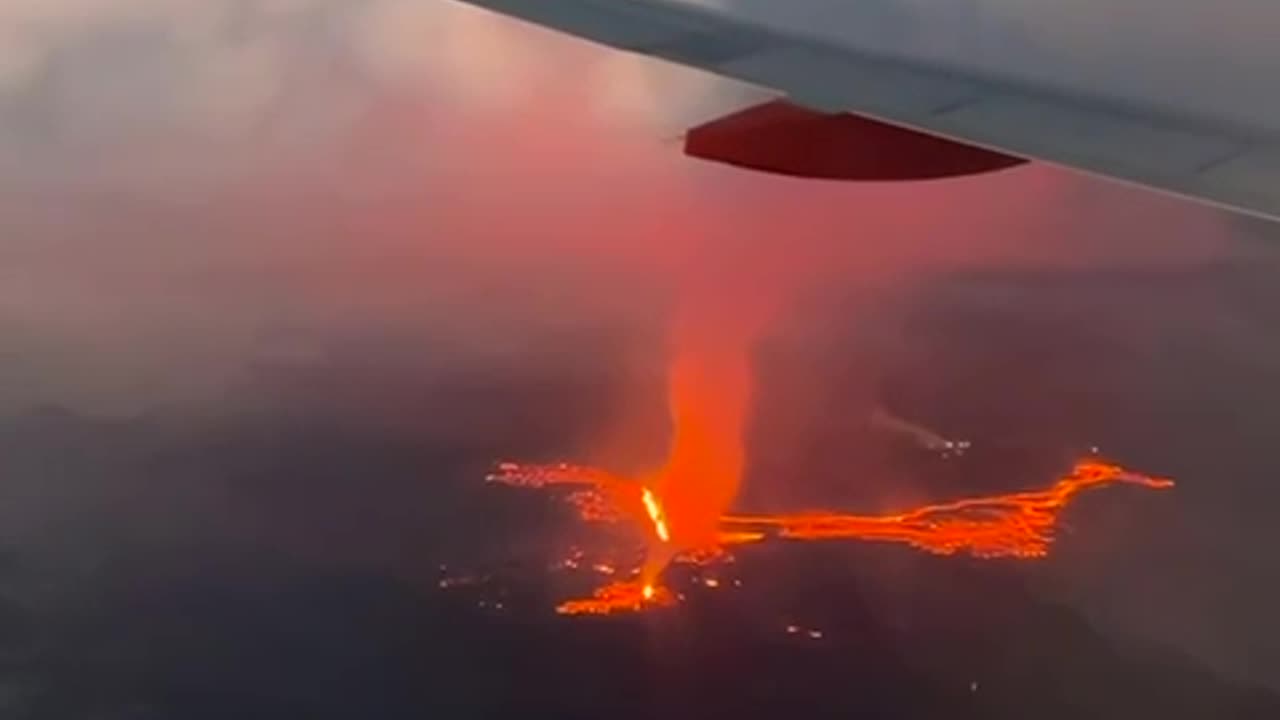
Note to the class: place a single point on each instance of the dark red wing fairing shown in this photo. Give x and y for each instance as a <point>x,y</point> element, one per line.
<point>782,138</point>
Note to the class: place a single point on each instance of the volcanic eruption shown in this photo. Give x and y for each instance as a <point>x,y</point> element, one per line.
<point>684,508</point>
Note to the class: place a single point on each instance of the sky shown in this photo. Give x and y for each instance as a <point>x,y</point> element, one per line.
<point>396,211</point>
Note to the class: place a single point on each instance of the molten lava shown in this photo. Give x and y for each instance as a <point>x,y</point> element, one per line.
<point>654,510</point>
<point>630,596</point>
<point>1017,525</point>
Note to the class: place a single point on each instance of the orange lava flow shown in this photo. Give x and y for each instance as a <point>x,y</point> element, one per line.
<point>630,596</point>
<point>1015,525</point>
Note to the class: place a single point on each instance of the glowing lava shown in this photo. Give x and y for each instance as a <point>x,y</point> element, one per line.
<point>654,511</point>
<point>1016,525</point>
<point>618,597</point>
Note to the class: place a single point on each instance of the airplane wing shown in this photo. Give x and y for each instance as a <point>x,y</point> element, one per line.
<point>1186,154</point>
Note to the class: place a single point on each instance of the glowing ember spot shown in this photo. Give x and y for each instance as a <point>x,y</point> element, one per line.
<point>618,597</point>
<point>594,506</point>
<point>540,476</point>
<point>704,555</point>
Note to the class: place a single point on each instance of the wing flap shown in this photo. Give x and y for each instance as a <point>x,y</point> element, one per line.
<point>1190,156</point>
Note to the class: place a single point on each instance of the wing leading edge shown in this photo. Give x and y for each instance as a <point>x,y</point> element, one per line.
<point>1235,167</point>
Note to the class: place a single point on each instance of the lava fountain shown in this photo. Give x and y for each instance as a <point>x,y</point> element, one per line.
<point>708,396</point>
